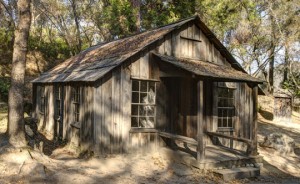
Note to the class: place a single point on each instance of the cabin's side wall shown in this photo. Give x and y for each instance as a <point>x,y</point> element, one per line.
<point>45,120</point>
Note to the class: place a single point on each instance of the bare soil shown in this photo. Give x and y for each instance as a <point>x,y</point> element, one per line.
<point>59,164</point>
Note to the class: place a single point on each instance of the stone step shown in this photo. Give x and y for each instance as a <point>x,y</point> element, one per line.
<point>237,173</point>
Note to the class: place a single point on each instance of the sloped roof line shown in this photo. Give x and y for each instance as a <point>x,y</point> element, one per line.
<point>117,51</point>
<point>207,69</point>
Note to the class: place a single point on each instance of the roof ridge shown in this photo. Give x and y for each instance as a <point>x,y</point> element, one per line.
<point>135,34</point>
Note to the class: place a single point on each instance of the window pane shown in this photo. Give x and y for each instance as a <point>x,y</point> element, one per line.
<point>143,122</point>
<point>134,110</point>
<point>144,98</point>
<point>151,86</point>
<point>142,110</point>
<point>229,122</point>
<point>225,114</point>
<point>219,112</point>
<point>135,85</point>
<point>219,122</point>
<point>222,92</point>
<point>220,102</point>
<point>150,122</point>
<point>151,97</point>
<point>147,122</point>
<point>134,122</point>
<point>150,110</point>
<point>143,86</point>
<point>230,102</point>
<point>135,97</point>
<point>230,93</point>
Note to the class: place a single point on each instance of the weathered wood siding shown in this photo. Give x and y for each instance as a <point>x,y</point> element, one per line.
<point>190,42</point>
<point>243,120</point>
<point>112,104</point>
<point>45,120</point>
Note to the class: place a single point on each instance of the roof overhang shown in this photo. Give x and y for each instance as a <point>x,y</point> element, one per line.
<point>208,69</point>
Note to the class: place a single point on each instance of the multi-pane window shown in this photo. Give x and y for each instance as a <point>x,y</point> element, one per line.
<point>143,104</point>
<point>58,98</point>
<point>76,102</point>
<point>226,106</point>
<point>42,99</point>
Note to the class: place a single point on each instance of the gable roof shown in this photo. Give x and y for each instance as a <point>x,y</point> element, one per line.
<point>96,61</point>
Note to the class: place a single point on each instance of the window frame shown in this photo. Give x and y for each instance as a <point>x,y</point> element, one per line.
<point>140,104</point>
<point>58,95</point>
<point>229,109</point>
<point>42,100</point>
<point>75,99</point>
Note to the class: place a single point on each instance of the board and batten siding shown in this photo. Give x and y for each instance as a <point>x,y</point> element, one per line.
<point>243,120</point>
<point>45,120</point>
<point>190,42</point>
<point>112,104</point>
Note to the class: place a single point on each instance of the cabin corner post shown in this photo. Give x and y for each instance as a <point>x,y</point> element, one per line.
<point>254,151</point>
<point>200,123</point>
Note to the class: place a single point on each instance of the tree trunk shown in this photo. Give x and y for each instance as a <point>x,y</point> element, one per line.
<point>136,4</point>
<point>272,56</point>
<point>286,65</point>
<point>16,127</point>
<point>77,25</point>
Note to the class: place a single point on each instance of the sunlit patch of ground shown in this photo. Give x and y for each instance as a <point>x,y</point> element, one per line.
<point>63,166</point>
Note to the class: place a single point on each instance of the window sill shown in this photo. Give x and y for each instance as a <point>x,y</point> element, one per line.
<point>225,129</point>
<point>143,130</point>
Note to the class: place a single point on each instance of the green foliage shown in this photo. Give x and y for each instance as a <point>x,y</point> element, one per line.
<point>292,85</point>
<point>57,49</point>
<point>4,88</point>
<point>118,17</point>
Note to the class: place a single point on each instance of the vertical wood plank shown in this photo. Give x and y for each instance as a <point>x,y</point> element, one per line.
<point>190,34</point>
<point>161,46</point>
<point>126,106</point>
<point>250,124</point>
<point>168,44</point>
<point>176,51</point>
<point>135,68</point>
<point>215,107</point>
<point>144,65</point>
<point>184,43</point>
<point>243,109</point>
<point>200,123</point>
<point>254,122</point>
<point>107,116</point>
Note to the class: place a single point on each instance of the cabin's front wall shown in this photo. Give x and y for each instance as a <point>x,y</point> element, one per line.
<point>113,97</point>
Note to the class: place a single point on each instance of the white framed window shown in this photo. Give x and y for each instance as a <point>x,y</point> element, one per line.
<point>226,104</point>
<point>143,104</point>
<point>76,103</point>
<point>58,101</point>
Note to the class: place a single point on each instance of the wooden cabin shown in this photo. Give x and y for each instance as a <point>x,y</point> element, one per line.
<point>173,83</point>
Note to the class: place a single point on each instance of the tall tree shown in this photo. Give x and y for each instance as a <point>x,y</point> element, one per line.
<point>15,102</point>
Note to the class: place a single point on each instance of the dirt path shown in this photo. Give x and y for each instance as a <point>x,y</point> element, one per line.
<point>28,166</point>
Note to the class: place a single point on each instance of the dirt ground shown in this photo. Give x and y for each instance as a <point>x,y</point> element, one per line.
<point>33,166</point>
